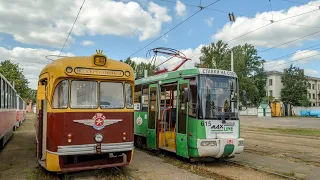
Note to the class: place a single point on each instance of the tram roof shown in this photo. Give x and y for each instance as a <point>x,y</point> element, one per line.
<point>185,73</point>
<point>58,67</point>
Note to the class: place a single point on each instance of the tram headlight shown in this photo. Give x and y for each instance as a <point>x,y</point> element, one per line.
<point>98,138</point>
<point>127,73</point>
<point>240,143</point>
<point>69,69</point>
<point>208,143</point>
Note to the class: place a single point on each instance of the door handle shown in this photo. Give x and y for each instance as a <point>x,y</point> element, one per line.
<point>149,132</point>
<point>182,139</point>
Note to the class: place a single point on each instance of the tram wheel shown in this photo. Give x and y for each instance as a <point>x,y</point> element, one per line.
<point>139,142</point>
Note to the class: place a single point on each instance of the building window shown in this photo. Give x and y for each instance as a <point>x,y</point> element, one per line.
<point>318,86</point>
<point>313,86</point>
<point>309,96</point>
<point>270,93</point>
<point>309,85</point>
<point>314,104</point>
<point>313,96</point>
<point>270,82</point>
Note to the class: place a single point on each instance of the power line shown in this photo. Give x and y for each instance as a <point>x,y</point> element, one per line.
<point>71,28</point>
<point>300,3</point>
<point>295,60</point>
<point>287,55</point>
<point>290,41</point>
<point>238,14</point>
<point>270,24</point>
<point>271,9</point>
<point>201,8</point>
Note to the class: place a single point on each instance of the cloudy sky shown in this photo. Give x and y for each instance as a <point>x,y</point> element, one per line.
<point>30,30</point>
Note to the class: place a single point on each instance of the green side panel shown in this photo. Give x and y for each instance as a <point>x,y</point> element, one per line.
<point>192,133</point>
<point>228,149</point>
<point>151,138</point>
<point>201,130</point>
<point>182,147</point>
<point>142,128</point>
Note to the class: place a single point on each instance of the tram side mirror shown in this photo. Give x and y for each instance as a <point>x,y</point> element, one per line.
<point>186,94</point>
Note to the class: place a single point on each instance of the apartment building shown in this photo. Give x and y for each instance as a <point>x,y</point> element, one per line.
<point>274,86</point>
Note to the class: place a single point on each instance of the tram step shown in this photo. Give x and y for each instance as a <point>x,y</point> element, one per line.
<point>170,142</point>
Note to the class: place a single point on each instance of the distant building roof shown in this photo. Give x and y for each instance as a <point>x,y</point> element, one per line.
<point>281,73</point>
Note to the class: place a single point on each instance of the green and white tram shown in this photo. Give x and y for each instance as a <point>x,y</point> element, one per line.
<point>192,112</point>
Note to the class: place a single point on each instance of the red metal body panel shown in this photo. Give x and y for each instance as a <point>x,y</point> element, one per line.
<point>7,120</point>
<point>59,125</point>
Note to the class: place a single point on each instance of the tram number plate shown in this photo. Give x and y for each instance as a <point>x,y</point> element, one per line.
<point>206,123</point>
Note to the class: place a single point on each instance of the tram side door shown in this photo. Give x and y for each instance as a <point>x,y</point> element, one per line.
<point>152,116</point>
<point>182,111</point>
<point>41,123</point>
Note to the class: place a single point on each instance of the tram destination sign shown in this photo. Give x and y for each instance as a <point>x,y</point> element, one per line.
<point>217,72</point>
<point>99,72</point>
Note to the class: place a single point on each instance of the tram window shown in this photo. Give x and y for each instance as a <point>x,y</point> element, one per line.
<point>152,109</point>
<point>145,96</point>
<point>60,96</point>
<point>111,95</point>
<point>84,94</point>
<point>128,90</point>
<point>6,96</point>
<point>193,98</point>
<point>2,94</point>
<point>137,96</point>
<point>182,116</point>
<point>9,97</point>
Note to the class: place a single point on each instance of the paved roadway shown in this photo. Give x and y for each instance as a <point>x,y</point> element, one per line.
<point>296,122</point>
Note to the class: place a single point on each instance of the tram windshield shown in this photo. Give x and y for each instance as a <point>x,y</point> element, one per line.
<point>217,97</point>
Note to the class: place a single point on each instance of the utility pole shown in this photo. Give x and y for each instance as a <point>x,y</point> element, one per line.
<point>232,60</point>
<point>232,19</point>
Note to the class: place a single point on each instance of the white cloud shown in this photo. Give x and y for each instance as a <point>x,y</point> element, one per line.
<point>194,54</point>
<point>303,56</point>
<point>311,72</point>
<point>277,32</point>
<point>209,21</point>
<point>30,60</point>
<point>181,9</point>
<point>45,22</point>
<point>87,43</point>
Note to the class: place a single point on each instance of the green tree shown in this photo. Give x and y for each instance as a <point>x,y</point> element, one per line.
<point>140,67</point>
<point>247,65</point>
<point>295,88</point>
<point>33,95</point>
<point>13,73</point>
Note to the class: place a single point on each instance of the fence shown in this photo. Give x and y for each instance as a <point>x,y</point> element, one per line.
<point>253,111</point>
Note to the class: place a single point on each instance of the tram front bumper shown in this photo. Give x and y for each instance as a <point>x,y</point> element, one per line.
<point>222,146</point>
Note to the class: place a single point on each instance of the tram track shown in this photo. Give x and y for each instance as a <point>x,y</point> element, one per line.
<point>224,176</point>
<point>260,169</point>
<point>124,173</point>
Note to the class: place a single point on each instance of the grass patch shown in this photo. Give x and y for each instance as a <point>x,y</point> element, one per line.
<point>293,131</point>
<point>291,173</point>
<point>40,173</point>
<point>110,174</point>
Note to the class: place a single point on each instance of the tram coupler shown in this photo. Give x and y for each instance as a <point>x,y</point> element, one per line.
<point>98,148</point>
